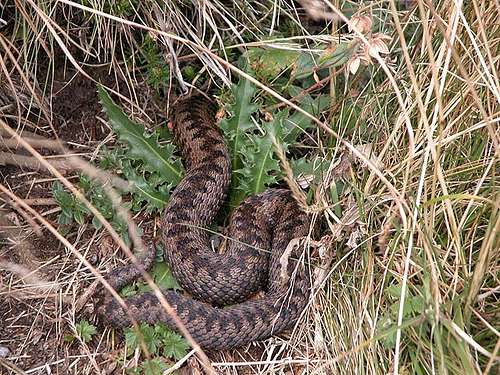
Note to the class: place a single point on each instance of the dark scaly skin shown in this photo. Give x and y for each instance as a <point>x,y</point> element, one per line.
<point>196,201</point>
<point>267,221</point>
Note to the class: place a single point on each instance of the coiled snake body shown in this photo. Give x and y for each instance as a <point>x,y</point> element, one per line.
<point>266,221</point>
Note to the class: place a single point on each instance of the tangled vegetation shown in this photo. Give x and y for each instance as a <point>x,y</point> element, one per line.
<point>380,116</point>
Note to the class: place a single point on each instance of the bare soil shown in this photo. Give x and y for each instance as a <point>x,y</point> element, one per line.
<point>39,281</point>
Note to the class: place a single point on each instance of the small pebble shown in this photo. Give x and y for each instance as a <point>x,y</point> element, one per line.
<point>4,351</point>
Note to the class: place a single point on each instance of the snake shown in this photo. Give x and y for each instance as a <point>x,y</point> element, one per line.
<point>219,307</point>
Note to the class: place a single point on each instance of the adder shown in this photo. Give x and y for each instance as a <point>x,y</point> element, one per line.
<point>218,313</point>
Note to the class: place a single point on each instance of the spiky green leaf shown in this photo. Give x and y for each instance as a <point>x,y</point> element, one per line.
<point>240,120</point>
<point>163,277</point>
<point>147,191</point>
<point>336,56</point>
<point>260,166</point>
<point>141,146</point>
<point>311,169</point>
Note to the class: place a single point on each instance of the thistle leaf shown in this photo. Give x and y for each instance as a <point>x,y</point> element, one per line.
<point>260,167</point>
<point>141,146</point>
<point>240,122</point>
<point>297,123</point>
<point>156,199</point>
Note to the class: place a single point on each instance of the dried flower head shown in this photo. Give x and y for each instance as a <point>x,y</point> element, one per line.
<point>378,45</point>
<point>361,23</point>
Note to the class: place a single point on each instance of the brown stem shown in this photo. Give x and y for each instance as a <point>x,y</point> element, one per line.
<point>7,158</point>
<point>34,142</point>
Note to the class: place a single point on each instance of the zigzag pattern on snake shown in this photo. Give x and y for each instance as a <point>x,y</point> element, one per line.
<point>266,221</point>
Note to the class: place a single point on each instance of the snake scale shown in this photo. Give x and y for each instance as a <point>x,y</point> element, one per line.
<point>265,221</point>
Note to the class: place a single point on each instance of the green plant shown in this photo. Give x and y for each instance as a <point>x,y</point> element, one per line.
<point>157,70</point>
<point>161,274</point>
<point>71,208</point>
<point>83,330</point>
<point>158,340</point>
<point>153,366</point>
<point>415,289</point>
<point>253,142</point>
<point>151,170</point>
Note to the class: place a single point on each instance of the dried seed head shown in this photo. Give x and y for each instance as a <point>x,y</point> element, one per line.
<point>378,45</point>
<point>362,23</point>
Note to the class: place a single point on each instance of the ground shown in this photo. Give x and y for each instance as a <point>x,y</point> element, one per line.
<point>35,319</point>
<point>38,311</point>
<point>382,117</point>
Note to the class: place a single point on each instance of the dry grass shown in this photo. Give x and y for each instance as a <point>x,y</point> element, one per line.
<point>409,282</point>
